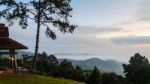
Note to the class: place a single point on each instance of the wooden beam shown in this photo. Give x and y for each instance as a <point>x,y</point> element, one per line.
<point>6,52</point>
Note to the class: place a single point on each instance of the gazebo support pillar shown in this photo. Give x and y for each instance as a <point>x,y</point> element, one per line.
<point>13,60</point>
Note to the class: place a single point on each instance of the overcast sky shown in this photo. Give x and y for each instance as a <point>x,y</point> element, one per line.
<point>107,29</point>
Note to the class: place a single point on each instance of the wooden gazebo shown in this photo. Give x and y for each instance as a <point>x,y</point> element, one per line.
<point>8,46</point>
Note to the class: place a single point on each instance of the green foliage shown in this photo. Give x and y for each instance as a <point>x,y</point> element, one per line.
<point>42,62</point>
<point>53,66</point>
<point>27,61</point>
<point>5,62</point>
<point>138,69</point>
<point>78,74</point>
<point>112,78</point>
<point>95,77</point>
<point>32,79</point>
<point>66,69</point>
<point>19,62</point>
<point>54,12</point>
<point>47,64</point>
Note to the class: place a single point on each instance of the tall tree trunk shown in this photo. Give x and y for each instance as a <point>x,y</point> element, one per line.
<point>37,42</point>
<point>37,36</point>
<point>36,45</point>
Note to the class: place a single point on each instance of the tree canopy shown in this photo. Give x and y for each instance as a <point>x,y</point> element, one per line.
<point>42,12</point>
<point>138,69</point>
<point>95,77</point>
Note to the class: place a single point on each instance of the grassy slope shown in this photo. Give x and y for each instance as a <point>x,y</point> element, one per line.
<point>32,79</point>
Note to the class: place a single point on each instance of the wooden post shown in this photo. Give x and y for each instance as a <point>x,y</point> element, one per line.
<point>11,57</point>
<point>13,60</point>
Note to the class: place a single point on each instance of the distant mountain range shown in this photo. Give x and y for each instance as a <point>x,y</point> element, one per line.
<point>21,53</point>
<point>103,65</point>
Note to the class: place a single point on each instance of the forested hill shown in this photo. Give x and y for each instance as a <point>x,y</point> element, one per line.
<point>103,65</point>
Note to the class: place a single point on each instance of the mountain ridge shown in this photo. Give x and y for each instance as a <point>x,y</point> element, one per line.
<point>88,64</point>
<point>103,65</point>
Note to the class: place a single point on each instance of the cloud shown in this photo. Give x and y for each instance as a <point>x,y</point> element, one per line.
<point>142,46</point>
<point>143,14</point>
<point>134,40</point>
<point>91,31</point>
<point>82,44</point>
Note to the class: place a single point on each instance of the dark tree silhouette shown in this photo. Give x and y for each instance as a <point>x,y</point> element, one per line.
<point>95,77</point>
<point>112,78</point>
<point>42,12</point>
<point>42,62</point>
<point>53,66</point>
<point>78,74</point>
<point>47,64</point>
<point>138,69</point>
<point>53,60</point>
<point>5,62</point>
<point>65,69</point>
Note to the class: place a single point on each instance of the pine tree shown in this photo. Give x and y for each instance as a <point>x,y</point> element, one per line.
<point>42,12</point>
<point>95,77</point>
<point>138,69</point>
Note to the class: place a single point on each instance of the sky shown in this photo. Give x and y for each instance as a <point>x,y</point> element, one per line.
<point>107,29</point>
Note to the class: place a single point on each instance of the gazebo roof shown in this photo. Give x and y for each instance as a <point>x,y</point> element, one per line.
<point>6,42</point>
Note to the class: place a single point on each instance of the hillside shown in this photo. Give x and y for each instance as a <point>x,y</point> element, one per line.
<point>32,79</point>
<point>103,65</point>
